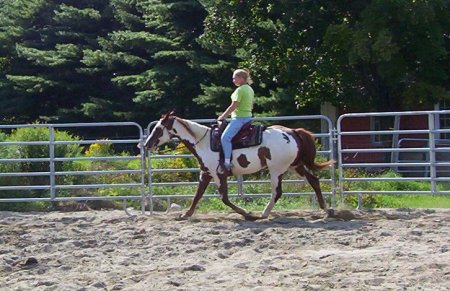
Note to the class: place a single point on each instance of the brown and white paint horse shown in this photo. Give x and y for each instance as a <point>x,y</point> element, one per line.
<point>282,149</point>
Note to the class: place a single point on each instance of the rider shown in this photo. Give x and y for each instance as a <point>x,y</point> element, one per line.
<point>240,109</point>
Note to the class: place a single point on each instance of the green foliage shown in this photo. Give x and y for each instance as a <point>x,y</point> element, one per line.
<point>99,150</point>
<point>149,56</point>
<point>389,54</point>
<point>105,149</point>
<point>31,84</point>
<point>14,15</point>
<point>380,200</point>
<point>390,185</point>
<point>73,17</point>
<point>400,201</point>
<point>38,151</point>
<point>134,60</point>
<point>363,55</point>
<point>175,163</point>
<point>42,78</point>
<point>255,204</point>
<point>277,41</point>
<point>97,60</point>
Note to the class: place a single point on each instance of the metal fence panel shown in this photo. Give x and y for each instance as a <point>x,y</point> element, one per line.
<point>34,170</point>
<point>411,150</point>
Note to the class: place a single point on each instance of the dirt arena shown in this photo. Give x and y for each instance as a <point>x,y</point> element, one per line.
<point>401,249</point>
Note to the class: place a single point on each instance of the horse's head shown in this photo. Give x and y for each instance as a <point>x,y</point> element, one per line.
<point>162,132</point>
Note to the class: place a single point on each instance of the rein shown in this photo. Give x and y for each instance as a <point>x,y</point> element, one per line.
<point>206,132</point>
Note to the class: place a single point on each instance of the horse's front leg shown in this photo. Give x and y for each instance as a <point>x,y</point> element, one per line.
<point>205,178</point>
<point>221,182</point>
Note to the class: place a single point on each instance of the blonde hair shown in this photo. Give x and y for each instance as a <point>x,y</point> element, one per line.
<point>245,74</point>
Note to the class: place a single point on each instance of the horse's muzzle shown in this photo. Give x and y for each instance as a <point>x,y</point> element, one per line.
<point>143,145</point>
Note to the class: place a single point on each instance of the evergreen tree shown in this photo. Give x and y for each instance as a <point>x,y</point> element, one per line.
<point>216,82</point>
<point>152,56</point>
<point>15,17</point>
<point>45,68</point>
<point>121,51</point>
<point>175,76</point>
<point>101,60</point>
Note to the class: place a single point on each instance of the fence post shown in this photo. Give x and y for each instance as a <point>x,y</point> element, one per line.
<point>240,181</point>
<point>52,162</point>
<point>432,143</point>
<point>333,148</point>
<point>148,158</point>
<point>340,160</point>
<point>360,201</point>
<point>143,154</point>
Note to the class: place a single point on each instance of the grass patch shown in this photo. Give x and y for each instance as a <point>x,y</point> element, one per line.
<point>415,201</point>
<point>255,204</point>
<point>399,201</point>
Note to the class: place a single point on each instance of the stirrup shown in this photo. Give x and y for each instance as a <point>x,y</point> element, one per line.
<point>227,166</point>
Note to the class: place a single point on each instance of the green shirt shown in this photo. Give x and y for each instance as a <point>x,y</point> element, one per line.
<point>244,95</point>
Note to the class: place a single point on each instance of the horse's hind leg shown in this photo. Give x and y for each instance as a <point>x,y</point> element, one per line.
<point>275,181</point>
<point>315,184</point>
<point>205,178</point>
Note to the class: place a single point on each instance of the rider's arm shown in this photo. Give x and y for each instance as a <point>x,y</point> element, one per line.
<point>231,108</point>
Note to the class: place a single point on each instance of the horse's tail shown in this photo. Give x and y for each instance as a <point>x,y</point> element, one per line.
<point>307,153</point>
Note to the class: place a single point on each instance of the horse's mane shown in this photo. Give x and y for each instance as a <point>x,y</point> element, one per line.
<point>187,124</point>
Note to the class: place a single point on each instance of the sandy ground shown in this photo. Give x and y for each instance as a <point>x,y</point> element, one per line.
<point>107,250</point>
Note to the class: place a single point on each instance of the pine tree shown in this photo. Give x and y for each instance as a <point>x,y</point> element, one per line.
<point>151,58</point>
<point>15,16</point>
<point>107,60</point>
<point>44,71</point>
<point>173,81</point>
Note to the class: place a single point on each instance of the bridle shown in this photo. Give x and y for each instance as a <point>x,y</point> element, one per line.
<point>168,126</point>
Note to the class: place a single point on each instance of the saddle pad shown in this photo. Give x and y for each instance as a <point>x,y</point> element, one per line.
<point>254,138</point>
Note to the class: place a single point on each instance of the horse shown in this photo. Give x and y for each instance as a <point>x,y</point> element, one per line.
<point>281,149</point>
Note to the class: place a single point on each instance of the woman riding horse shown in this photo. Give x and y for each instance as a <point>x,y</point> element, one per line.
<point>281,149</point>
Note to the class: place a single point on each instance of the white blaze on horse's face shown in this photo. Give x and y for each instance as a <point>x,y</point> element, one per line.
<point>159,136</point>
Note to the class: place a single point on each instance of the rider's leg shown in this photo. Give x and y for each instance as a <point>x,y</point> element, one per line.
<point>232,129</point>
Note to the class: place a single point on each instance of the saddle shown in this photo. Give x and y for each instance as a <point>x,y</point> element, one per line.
<point>249,135</point>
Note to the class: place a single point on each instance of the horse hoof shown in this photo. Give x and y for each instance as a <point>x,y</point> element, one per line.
<point>330,212</point>
<point>182,217</point>
<point>250,218</point>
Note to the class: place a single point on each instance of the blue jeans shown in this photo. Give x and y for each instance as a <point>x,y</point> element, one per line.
<point>232,129</point>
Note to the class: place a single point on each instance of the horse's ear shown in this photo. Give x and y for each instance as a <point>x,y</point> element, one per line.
<point>169,113</point>
<point>168,119</point>
<point>166,116</point>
